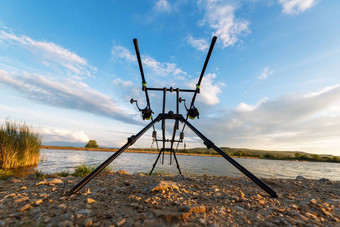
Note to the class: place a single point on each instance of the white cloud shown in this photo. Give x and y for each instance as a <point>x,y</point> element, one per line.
<point>50,53</point>
<point>199,44</point>
<point>163,6</point>
<point>159,68</point>
<point>291,122</point>
<point>220,17</point>
<point>65,93</point>
<point>123,53</point>
<point>211,90</point>
<point>64,135</point>
<point>266,72</point>
<point>296,6</point>
<point>124,83</point>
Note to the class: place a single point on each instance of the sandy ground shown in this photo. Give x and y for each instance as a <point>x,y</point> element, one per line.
<point>121,199</point>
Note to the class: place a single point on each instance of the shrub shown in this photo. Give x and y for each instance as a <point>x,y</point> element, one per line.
<point>40,175</point>
<point>19,145</point>
<point>82,171</point>
<point>92,144</point>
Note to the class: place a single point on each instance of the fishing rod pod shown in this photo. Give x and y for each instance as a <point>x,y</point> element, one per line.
<point>163,117</point>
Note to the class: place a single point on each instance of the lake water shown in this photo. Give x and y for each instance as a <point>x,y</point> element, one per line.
<point>53,161</point>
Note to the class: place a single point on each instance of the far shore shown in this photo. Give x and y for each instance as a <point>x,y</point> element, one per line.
<point>131,151</point>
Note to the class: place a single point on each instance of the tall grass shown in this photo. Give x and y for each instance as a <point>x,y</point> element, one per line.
<point>19,145</point>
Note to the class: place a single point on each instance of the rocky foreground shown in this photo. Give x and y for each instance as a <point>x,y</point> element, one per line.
<point>121,199</point>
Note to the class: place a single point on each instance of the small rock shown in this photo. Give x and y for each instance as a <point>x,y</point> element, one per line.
<point>300,178</point>
<point>23,188</point>
<point>89,200</point>
<point>84,211</point>
<point>88,191</point>
<point>55,181</point>
<point>240,208</point>
<point>295,206</point>
<point>38,201</point>
<point>25,207</point>
<point>88,222</point>
<point>202,221</point>
<point>65,224</point>
<point>50,182</point>
<point>123,172</point>
<point>22,199</point>
<point>63,206</point>
<point>313,201</point>
<point>324,180</point>
<point>68,216</point>
<point>121,222</point>
<point>46,219</point>
<point>164,185</point>
<point>311,216</point>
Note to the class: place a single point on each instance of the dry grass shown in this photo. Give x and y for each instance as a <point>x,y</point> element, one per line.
<point>19,145</point>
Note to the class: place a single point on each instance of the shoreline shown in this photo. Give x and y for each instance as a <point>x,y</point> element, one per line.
<point>120,198</point>
<point>135,151</point>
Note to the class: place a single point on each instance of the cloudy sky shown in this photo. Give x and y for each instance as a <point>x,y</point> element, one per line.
<point>68,68</point>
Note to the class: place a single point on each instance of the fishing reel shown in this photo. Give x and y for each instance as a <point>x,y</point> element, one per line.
<point>146,113</point>
<point>192,113</point>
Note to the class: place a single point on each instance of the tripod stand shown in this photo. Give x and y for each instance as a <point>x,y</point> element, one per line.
<point>192,113</point>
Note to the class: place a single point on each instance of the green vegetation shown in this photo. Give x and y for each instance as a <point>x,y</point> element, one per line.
<point>92,144</point>
<point>5,174</point>
<point>40,175</point>
<point>82,170</point>
<point>19,145</point>
<point>63,174</point>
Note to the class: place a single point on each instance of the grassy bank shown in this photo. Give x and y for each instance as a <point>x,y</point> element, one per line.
<point>19,145</point>
<point>233,152</point>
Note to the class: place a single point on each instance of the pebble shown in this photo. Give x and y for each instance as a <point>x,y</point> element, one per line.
<point>25,207</point>
<point>88,222</point>
<point>89,200</point>
<point>194,201</point>
<point>22,199</point>
<point>121,222</point>
<point>324,180</point>
<point>38,201</point>
<point>300,178</point>
<point>84,212</point>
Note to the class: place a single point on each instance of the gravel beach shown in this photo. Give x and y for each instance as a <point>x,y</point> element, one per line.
<point>122,199</point>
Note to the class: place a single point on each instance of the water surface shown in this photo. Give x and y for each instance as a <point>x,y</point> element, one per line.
<point>65,160</point>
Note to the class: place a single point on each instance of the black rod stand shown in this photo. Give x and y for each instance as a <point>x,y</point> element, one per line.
<point>210,144</point>
<point>131,140</point>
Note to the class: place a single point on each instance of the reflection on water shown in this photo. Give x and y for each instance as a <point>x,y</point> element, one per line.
<point>65,160</point>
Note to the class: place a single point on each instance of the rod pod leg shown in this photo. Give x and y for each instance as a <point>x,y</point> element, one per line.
<point>210,144</point>
<point>131,140</point>
<point>179,169</point>
<point>154,165</point>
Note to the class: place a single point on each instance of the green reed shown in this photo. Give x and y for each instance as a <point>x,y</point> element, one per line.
<point>19,145</point>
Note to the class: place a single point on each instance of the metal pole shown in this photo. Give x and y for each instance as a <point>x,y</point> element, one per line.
<point>100,168</point>
<point>210,144</point>
<point>213,41</point>
<point>135,42</point>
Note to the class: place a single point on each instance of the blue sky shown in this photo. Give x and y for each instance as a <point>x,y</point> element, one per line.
<point>68,68</point>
